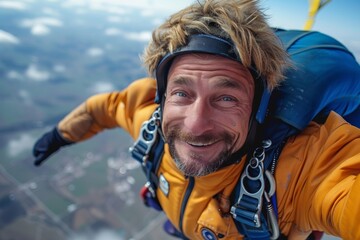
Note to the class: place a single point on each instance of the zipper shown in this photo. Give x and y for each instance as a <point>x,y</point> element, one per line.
<point>188,191</point>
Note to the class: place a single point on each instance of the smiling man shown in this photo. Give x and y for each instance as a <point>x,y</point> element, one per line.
<point>208,165</point>
<point>206,111</point>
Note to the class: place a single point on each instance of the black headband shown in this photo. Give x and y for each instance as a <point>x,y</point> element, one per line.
<point>199,43</point>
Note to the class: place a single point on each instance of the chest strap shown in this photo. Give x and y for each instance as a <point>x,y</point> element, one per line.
<point>148,150</point>
<point>255,197</point>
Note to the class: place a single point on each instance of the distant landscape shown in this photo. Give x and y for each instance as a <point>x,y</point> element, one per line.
<point>53,55</point>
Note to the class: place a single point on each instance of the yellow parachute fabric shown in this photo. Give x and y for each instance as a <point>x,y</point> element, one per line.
<point>314,7</point>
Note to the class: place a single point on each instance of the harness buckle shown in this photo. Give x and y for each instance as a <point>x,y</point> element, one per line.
<point>147,137</point>
<point>248,208</point>
<point>148,195</point>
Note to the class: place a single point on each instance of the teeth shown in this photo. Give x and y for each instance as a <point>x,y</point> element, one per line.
<point>200,144</point>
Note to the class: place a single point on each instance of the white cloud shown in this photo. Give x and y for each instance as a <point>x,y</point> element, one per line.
<point>20,144</point>
<point>95,52</point>
<point>36,74</point>
<point>117,19</point>
<point>112,31</point>
<point>138,36</point>
<point>48,21</point>
<point>147,13</point>
<point>151,8</point>
<point>14,75</point>
<point>73,3</point>
<point>59,68</point>
<point>41,26</point>
<point>25,96</point>
<point>6,37</point>
<point>13,5</point>
<point>40,30</point>
<point>109,7</point>
<point>101,235</point>
<point>50,11</point>
<point>144,36</point>
<point>101,87</point>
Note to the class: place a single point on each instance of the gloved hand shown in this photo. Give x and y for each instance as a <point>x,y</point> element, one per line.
<point>49,143</point>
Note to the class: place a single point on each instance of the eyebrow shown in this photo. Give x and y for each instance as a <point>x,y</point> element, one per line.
<point>221,83</point>
<point>182,81</point>
<point>229,83</point>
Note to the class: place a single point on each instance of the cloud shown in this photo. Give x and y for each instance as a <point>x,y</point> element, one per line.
<point>40,29</point>
<point>25,96</point>
<point>59,68</point>
<point>117,19</point>
<point>101,235</point>
<point>19,145</point>
<point>13,5</point>
<point>34,73</point>
<point>139,36</point>
<point>41,26</point>
<point>144,36</point>
<point>14,75</point>
<point>101,87</point>
<point>112,31</point>
<point>50,11</point>
<point>95,52</point>
<point>6,37</point>
<point>150,8</point>
<point>109,7</point>
<point>48,21</point>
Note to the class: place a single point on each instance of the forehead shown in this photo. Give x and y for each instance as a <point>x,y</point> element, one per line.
<point>205,57</point>
<point>209,65</point>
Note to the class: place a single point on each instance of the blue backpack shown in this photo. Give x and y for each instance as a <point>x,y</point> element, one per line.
<point>326,77</point>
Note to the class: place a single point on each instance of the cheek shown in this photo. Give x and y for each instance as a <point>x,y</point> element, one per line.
<point>238,127</point>
<point>168,115</point>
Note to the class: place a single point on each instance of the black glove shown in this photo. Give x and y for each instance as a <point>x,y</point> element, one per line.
<point>49,143</point>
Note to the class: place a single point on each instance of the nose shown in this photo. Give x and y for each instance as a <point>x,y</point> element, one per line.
<point>198,117</point>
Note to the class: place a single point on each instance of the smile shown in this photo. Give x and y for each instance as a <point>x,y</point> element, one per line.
<point>197,144</point>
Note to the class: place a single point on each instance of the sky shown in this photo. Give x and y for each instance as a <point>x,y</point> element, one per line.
<point>339,18</point>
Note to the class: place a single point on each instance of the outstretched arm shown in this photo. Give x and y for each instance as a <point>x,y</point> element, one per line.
<point>126,109</point>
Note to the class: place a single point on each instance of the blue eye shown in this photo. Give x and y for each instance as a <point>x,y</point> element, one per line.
<point>227,99</point>
<point>180,94</point>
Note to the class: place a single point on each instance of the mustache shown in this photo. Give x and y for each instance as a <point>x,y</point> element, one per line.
<point>177,133</point>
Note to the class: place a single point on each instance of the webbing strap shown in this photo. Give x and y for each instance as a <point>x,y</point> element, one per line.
<point>255,209</point>
<point>148,149</point>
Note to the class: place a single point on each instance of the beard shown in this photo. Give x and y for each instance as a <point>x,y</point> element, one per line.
<point>194,165</point>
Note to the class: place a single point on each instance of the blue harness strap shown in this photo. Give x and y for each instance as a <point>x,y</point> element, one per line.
<point>148,150</point>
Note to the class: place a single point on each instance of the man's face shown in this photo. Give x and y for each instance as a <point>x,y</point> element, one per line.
<point>206,112</point>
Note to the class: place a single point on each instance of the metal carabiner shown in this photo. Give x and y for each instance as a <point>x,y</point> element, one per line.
<point>271,218</point>
<point>272,183</point>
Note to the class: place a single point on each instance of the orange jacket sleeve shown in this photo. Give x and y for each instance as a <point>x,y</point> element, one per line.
<point>126,109</point>
<point>319,181</point>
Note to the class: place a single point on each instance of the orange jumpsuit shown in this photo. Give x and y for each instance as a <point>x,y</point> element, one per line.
<point>317,175</point>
